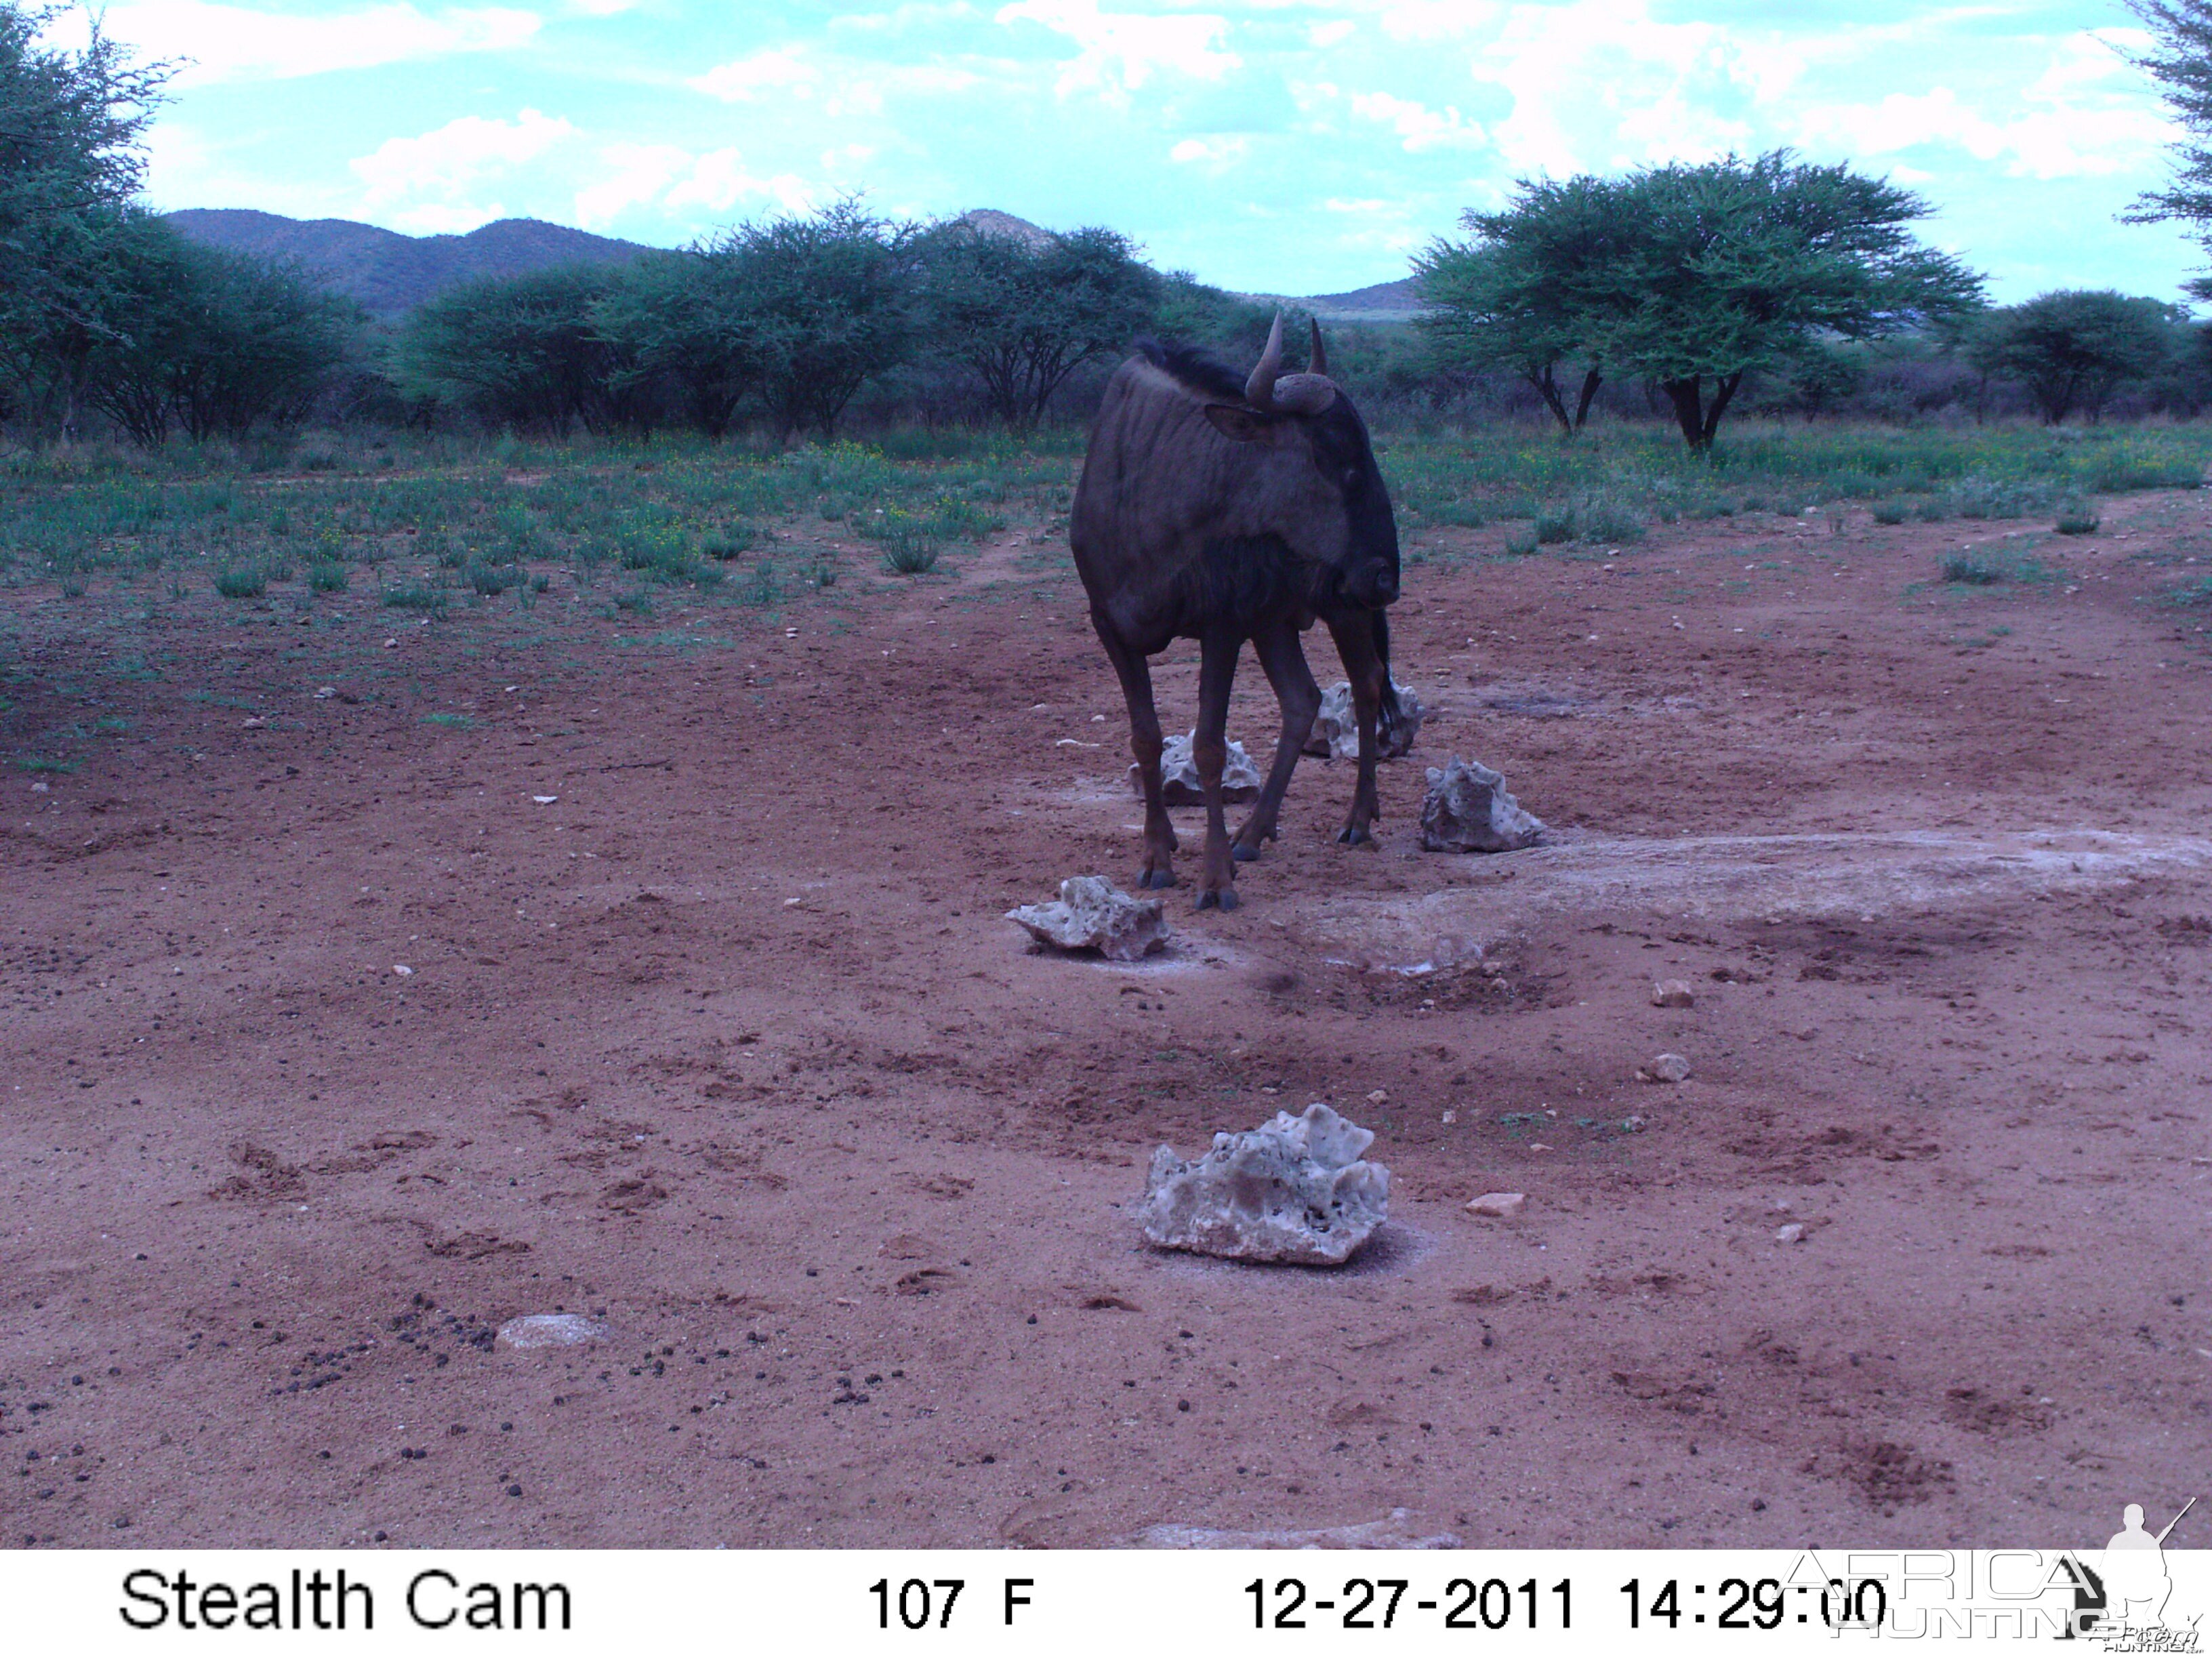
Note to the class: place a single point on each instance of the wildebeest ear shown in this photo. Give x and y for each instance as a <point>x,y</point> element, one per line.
<point>1243,426</point>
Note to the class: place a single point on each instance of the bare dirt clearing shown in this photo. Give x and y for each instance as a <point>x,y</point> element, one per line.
<point>712,1029</point>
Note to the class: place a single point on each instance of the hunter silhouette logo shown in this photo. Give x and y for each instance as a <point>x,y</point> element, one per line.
<point>2121,1602</point>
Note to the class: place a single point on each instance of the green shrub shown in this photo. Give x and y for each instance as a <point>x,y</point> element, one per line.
<point>1891,512</point>
<point>431,599</point>
<point>639,603</point>
<point>1554,524</point>
<point>1600,516</point>
<point>540,584</point>
<point>1965,568</point>
<point>241,583</point>
<point>492,579</point>
<point>326,576</point>
<point>728,543</point>
<point>1521,540</point>
<point>909,550</point>
<point>2076,517</point>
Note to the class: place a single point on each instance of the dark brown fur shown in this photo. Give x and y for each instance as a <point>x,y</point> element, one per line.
<point>1200,517</point>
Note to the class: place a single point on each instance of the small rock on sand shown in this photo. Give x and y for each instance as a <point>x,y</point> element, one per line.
<point>1791,1232</point>
<point>1092,913</point>
<point>556,1330</point>
<point>1665,1068</point>
<point>1179,784</point>
<point>1468,811</point>
<point>1294,1189</point>
<point>1503,1206</point>
<point>1674,994</point>
<point>1336,728</point>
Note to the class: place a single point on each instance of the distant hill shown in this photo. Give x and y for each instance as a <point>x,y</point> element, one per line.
<point>1399,301</point>
<point>390,273</point>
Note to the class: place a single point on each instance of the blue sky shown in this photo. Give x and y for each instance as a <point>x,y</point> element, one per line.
<point>1272,146</point>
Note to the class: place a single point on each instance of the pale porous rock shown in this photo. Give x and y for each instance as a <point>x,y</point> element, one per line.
<point>1092,913</point>
<point>1294,1189</point>
<point>1179,784</point>
<point>1665,1068</point>
<point>1499,1206</point>
<point>1397,1532</point>
<point>1672,994</point>
<point>1336,728</point>
<point>554,1330</point>
<point>1468,811</point>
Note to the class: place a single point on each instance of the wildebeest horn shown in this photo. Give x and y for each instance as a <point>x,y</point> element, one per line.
<point>1287,394</point>
<point>1319,364</point>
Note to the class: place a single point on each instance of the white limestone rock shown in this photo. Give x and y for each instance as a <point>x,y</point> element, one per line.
<point>554,1330</point>
<point>1294,1189</point>
<point>1241,777</point>
<point>1092,913</point>
<point>1336,728</point>
<point>1468,811</point>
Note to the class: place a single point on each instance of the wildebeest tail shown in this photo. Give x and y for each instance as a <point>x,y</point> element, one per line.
<point>1387,720</point>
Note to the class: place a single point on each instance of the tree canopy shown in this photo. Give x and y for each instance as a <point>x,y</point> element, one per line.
<point>1022,316</point>
<point>1689,276</point>
<point>2075,348</point>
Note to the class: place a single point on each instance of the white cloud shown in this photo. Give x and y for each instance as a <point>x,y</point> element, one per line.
<point>1418,127</point>
<point>777,69</point>
<point>1118,52</point>
<point>225,43</point>
<point>433,182</point>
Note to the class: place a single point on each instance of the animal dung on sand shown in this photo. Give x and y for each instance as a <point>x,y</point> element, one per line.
<point>1468,811</point>
<point>1179,783</point>
<point>1092,913</point>
<point>1295,1190</point>
<point>1336,728</point>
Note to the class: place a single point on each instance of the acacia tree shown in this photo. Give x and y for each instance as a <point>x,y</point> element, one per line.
<point>70,127</point>
<point>2180,60</point>
<point>1022,316</point>
<point>812,306</point>
<point>1496,301</point>
<point>1693,277</point>
<point>2074,349</point>
<point>525,351</point>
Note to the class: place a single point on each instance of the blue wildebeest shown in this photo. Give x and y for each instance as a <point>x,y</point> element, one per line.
<point>1221,512</point>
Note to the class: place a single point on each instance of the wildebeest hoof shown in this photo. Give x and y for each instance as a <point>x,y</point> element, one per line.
<point>1242,854</point>
<point>1224,899</point>
<point>1353,835</point>
<point>1157,879</point>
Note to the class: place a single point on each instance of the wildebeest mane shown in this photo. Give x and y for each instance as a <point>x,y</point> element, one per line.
<point>1196,368</point>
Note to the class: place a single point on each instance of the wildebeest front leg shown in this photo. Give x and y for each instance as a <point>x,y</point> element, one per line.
<point>1285,662</point>
<point>1217,672</point>
<point>1363,667</point>
<point>1144,745</point>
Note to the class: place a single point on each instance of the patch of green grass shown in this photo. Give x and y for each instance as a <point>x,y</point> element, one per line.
<point>1891,512</point>
<point>44,764</point>
<point>1523,540</point>
<point>242,582</point>
<point>909,550</point>
<point>493,580</point>
<point>457,722</point>
<point>1974,572</point>
<point>432,600</point>
<point>326,576</point>
<point>639,603</point>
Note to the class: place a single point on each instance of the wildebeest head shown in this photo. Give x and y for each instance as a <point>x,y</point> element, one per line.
<point>1318,456</point>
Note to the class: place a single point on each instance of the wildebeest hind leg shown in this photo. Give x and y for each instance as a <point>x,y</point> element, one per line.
<point>1144,745</point>
<point>1363,665</point>
<point>1285,663</point>
<point>1217,883</point>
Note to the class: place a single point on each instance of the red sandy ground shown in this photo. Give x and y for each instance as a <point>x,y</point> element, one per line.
<point>729,1045</point>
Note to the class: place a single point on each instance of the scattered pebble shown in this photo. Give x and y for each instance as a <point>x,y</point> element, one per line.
<point>1503,1205</point>
<point>1666,1068</point>
<point>1378,1096</point>
<point>1451,1117</point>
<point>545,801</point>
<point>1791,1233</point>
<point>324,692</point>
<point>1672,994</point>
<point>402,970</point>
